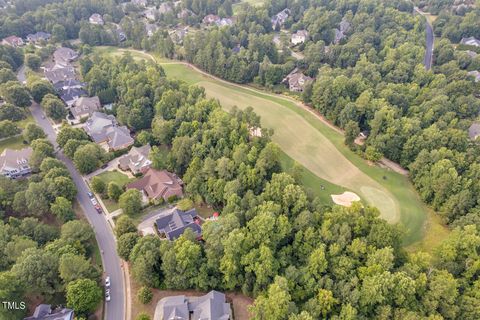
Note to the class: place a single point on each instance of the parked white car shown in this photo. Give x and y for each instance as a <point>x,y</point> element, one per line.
<point>107,294</point>
<point>107,282</point>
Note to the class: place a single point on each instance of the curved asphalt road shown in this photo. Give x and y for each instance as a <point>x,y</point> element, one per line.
<point>427,62</point>
<point>114,310</point>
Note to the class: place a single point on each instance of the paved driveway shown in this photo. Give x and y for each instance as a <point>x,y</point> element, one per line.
<point>147,224</point>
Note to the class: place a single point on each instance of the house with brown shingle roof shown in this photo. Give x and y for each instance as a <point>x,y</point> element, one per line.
<point>157,184</point>
<point>13,41</point>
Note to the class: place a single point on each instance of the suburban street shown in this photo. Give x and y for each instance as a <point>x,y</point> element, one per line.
<point>114,309</point>
<point>429,41</point>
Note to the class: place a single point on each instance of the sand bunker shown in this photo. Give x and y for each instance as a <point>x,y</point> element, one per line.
<point>345,199</point>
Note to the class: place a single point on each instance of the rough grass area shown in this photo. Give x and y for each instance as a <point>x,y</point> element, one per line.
<point>320,149</point>
<point>14,143</point>
<point>435,233</point>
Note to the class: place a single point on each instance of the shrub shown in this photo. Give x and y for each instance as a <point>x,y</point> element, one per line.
<point>144,295</point>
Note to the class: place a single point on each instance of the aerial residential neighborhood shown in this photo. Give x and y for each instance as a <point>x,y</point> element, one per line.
<point>237,160</point>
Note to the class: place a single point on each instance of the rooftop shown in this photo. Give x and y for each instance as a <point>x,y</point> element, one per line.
<point>174,224</point>
<point>158,184</point>
<point>45,312</point>
<point>212,306</point>
<point>13,159</point>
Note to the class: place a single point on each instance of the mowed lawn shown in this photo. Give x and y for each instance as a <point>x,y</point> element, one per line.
<point>114,176</point>
<point>321,151</point>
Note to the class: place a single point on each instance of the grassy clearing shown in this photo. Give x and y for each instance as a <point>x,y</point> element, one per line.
<point>111,205</point>
<point>320,149</point>
<point>204,211</point>
<point>114,176</point>
<point>14,143</point>
<point>435,233</point>
<point>23,123</point>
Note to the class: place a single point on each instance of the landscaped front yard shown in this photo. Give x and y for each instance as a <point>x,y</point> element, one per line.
<point>114,176</point>
<point>120,179</point>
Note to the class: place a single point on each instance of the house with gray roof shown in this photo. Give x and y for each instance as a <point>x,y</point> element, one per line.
<point>64,56</point>
<point>173,224</point>
<point>279,19</point>
<point>299,37</point>
<point>212,306</point>
<point>60,74</point>
<point>164,8</point>
<point>136,160</point>
<point>151,13</point>
<point>470,41</point>
<point>150,28</point>
<point>104,130</point>
<point>84,107</point>
<point>14,163</point>
<point>70,95</point>
<point>70,83</point>
<point>296,81</point>
<point>39,37</point>
<point>475,74</point>
<point>225,22</point>
<point>46,312</point>
<point>474,131</point>
<point>140,3</point>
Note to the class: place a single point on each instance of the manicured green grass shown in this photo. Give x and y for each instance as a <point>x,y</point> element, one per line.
<point>14,143</point>
<point>321,150</point>
<point>114,176</point>
<point>312,183</point>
